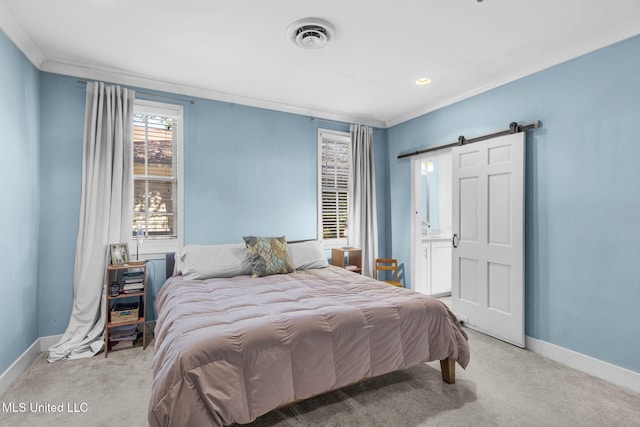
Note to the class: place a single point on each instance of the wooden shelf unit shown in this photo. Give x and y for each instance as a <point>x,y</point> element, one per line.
<point>349,258</point>
<point>111,274</point>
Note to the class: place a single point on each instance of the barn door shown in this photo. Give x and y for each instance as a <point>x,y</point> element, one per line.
<point>488,241</point>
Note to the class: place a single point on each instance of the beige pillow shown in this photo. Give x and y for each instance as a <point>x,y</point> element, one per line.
<point>307,255</point>
<point>198,262</point>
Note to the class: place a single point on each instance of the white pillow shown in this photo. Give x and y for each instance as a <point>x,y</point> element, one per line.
<point>307,255</point>
<point>197,262</point>
<point>177,261</point>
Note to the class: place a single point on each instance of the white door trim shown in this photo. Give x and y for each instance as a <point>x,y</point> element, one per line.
<point>416,239</point>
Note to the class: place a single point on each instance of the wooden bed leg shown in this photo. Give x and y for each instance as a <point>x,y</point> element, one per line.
<point>448,368</point>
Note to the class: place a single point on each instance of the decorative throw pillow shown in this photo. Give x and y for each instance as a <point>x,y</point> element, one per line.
<point>268,255</point>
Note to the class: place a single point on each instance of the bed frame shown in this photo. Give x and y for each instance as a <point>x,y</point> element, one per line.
<point>447,366</point>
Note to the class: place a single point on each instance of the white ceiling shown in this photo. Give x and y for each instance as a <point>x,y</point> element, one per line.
<point>237,51</point>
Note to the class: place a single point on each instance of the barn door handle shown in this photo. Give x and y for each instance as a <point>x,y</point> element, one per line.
<point>454,240</point>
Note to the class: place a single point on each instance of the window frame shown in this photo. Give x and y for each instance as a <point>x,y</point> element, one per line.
<point>343,137</point>
<point>156,248</point>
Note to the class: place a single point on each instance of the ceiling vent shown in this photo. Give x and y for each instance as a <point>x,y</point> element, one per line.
<point>311,33</point>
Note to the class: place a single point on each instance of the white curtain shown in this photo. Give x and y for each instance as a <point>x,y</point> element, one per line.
<point>363,217</point>
<point>106,210</point>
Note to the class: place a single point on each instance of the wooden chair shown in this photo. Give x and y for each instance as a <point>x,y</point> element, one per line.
<point>387,264</point>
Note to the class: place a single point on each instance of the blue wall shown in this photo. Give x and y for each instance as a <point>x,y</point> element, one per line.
<point>247,171</point>
<point>582,195</point>
<point>20,207</point>
<point>252,171</point>
<point>61,128</point>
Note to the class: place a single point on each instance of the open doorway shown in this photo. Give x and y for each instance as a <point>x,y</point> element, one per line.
<point>432,223</point>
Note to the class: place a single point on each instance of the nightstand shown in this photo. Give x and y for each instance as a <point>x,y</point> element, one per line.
<point>126,305</point>
<point>348,258</point>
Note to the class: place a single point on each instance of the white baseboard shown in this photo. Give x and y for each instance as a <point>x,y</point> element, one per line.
<point>608,372</point>
<point>26,358</point>
<point>46,342</point>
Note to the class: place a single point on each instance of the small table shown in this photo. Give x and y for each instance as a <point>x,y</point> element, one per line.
<point>139,294</point>
<point>348,258</point>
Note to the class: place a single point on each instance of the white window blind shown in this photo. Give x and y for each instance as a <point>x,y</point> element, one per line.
<point>156,174</point>
<point>334,163</point>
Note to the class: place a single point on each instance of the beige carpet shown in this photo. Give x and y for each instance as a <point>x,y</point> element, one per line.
<point>503,386</point>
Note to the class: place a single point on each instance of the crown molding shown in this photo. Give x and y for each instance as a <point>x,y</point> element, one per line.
<point>20,38</point>
<point>118,77</point>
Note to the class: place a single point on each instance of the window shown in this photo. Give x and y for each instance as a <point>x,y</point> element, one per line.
<point>334,162</point>
<point>157,176</point>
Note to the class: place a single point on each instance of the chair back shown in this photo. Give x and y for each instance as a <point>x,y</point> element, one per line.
<point>386,264</point>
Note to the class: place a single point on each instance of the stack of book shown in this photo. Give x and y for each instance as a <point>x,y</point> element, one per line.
<point>133,282</point>
<point>124,337</point>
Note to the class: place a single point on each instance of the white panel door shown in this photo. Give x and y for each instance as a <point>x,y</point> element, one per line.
<point>488,226</point>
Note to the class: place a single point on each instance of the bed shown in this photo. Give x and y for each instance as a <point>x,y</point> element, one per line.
<point>232,347</point>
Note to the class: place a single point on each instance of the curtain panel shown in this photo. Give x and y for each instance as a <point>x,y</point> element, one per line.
<point>363,217</point>
<point>106,213</point>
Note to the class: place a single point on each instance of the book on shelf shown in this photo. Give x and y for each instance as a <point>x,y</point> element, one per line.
<point>133,273</point>
<point>130,275</point>
<point>131,341</point>
<point>122,331</point>
<point>117,345</point>
<point>125,306</point>
<point>127,281</point>
<point>130,337</point>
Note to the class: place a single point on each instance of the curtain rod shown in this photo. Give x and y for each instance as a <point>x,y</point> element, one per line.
<point>317,119</point>
<point>190,101</point>
<point>513,128</point>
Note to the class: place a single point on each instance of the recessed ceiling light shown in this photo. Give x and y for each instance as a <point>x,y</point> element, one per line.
<point>423,81</point>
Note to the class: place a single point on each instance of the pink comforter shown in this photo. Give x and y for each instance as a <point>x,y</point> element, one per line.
<point>230,350</point>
